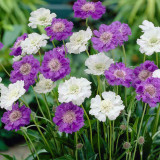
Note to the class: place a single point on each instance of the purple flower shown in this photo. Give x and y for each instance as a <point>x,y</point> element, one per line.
<point>143,72</point>
<point>69,117</point>
<point>83,9</point>
<point>16,49</point>
<point>106,38</point>
<point>149,91</point>
<point>60,50</point>
<point>118,74</point>
<point>1,45</point>
<point>124,30</point>
<point>16,118</point>
<point>55,66</point>
<point>26,70</point>
<point>60,29</point>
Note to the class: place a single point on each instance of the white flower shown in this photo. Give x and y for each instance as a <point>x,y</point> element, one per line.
<point>150,41</point>
<point>110,107</point>
<point>44,85</point>
<point>98,63</point>
<point>75,90</point>
<point>41,17</point>
<point>33,43</point>
<point>17,58</point>
<point>11,94</point>
<point>78,41</point>
<point>146,25</point>
<point>156,73</point>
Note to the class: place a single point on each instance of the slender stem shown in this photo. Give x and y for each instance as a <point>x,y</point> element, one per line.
<point>4,69</point>
<point>87,52</point>
<point>118,140</point>
<point>139,130</point>
<point>53,44</point>
<point>110,146</point>
<point>144,57</point>
<point>125,92</point>
<point>104,129</point>
<point>99,146</point>
<point>113,138</point>
<point>117,89</point>
<point>65,48</point>
<point>113,55</point>
<point>76,145</point>
<point>99,89</point>
<point>40,57</point>
<point>87,22</point>
<point>89,126</point>
<point>45,119</point>
<point>124,54</point>
<point>54,95</point>
<point>157,59</point>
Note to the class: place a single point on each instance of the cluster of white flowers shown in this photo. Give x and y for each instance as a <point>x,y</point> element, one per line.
<point>33,43</point>
<point>11,94</point>
<point>110,107</point>
<point>78,41</point>
<point>149,42</point>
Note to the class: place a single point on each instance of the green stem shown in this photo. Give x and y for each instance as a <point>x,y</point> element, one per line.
<point>4,69</point>
<point>99,146</point>
<point>144,57</point>
<point>113,138</point>
<point>87,52</point>
<point>55,96</point>
<point>40,57</point>
<point>53,44</point>
<point>104,129</point>
<point>125,92</point>
<point>118,140</point>
<point>124,54</point>
<point>157,59</point>
<point>45,119</point>
<point>87,22</point>
<point>110,146</point>
<point>65,48</point>
<point>76,145</point>
<point>98,81</point>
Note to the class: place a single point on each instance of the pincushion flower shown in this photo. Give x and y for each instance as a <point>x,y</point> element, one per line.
<point>75,90</point>
<point>69,117</point>
<point>26,70</point>
<point>119,74</point>
<point>143,72</point>
<point>97,64</point>
<point>11,94</point>
<point>156,73</point>
<point>60,29</point>
<point>17,49</point>
<point>16,118</point>
<point>78,41</point>
<point>42,17</point>
<point>44,85</point>
<point>149,91</point>
<point>83,9</point>
<point>1,45</point>
<point>106,38</point>
<point>33,43</point>
<point>55,66</point>
<point>110,106</point>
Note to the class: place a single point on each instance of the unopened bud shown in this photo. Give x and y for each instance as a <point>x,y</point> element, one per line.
<point>123,127</point>
<point>141,140</point>
<point>79,146</point>
<point>126,145</point>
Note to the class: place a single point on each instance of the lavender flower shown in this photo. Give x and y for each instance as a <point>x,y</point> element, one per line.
<point>149,91</point>
<point>55,66</point>
<point>69,117</point>
<point>60,29</point>
<point>118,74</point>
<point>16,49</point>
<point>1,45</point>
<point>26,70</point>
<point>16,118</point>
<point>83,9</point>
<point>143,72</point>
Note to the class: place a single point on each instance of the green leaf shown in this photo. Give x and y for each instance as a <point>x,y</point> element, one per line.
<point>65,157</point>
<point>8,157</point>
<point>3,146</point>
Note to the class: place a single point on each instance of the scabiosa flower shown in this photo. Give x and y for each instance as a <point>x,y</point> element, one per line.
<point>69,117</point>
<point>143,72</point>
<point>41,16</point>
<point>156,73</point>
<point>33,43</point>
<point>75,90</point>
<point>1,45</point>
<point>11,94</point>
<point>16,49</point>
<point>60,29</point>
<point>119,74</point>
<point>83,9</point>
<point>16,118</point>
<point>26,70</point>
<point>97,64</point>
<point>106,38</point>
<point>149,91</point>
<point>78,41</point>
<point>124,30</point>
<point>44,85</point>
<point>110,106</point>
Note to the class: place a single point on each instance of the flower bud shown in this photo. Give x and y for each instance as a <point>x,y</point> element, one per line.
<point>141,140</point>
<point>126,145</point>
<point>79,146</point>
<point>123,127</point>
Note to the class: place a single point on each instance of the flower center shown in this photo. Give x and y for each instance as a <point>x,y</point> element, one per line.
<point>106,106</point>
<point>153,40</point>
<point>48,84</point>
<point>74,89</point>
<point>100,67</point>
<point>54,65</point>
<point>13,93</point>
<point>42,19</point>
<point>58,27</point>
<point>120,74</point>
<point>143,75</point>
<point>106,37</point>
<point>88,7</point>
<point>15,115</point>
<point>151,90</point>
<point>69,117</point>
<point>25,69</point>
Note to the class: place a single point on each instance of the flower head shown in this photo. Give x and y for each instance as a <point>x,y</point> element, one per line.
<point>78,41</point>
<point>110,106</point>
<point>41,16</point>
<point>60,29</point>
<point>1,45</point>
<point>26,70</point>
<point>83,9</point>
<point>11,94</point>
<point>16,118</point>
<point>17,49</point>
<point>118,74</point>
<point>75,90</point>
<point>97,64</point>
<point>69,117</point>
<point>55,66</point>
